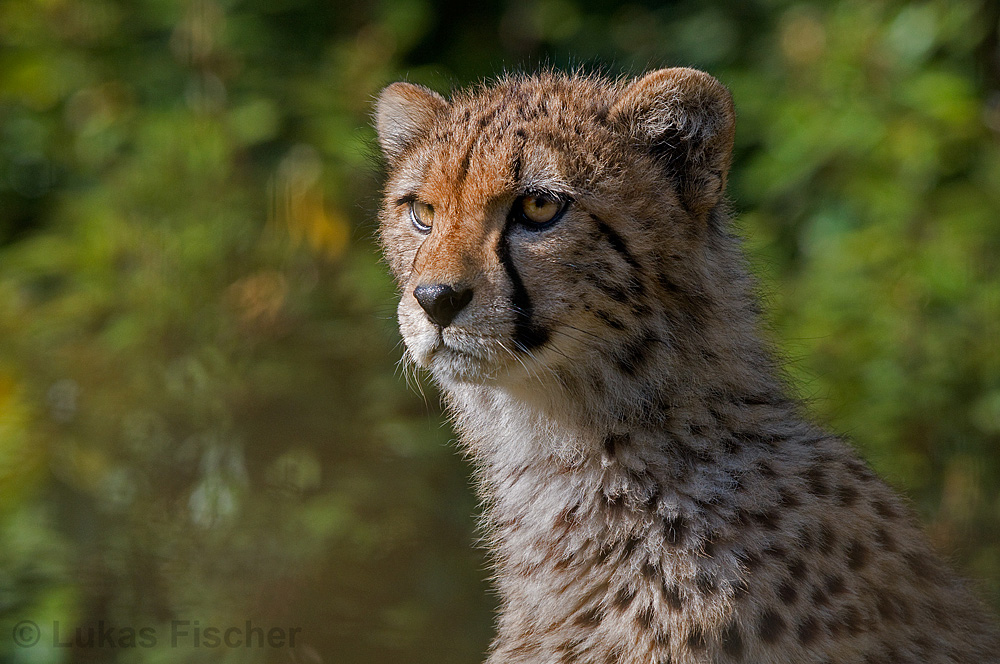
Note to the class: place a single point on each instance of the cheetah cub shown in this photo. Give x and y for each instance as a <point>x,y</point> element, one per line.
<point>652,494</point>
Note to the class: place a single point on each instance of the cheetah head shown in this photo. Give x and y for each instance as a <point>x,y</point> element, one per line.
<point>548,221</point>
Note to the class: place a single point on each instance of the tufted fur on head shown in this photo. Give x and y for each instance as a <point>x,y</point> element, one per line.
<point>687,119</point>
<point>652,495</point>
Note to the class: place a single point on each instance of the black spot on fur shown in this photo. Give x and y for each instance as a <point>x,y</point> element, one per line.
<point>629,546</point>
<point>623,598</point>
<point>590,618</point>
<point>644,618</point>
<point>922,566</point>
<point>770,626</point>
<point>857,555</point>
<point>885,540</point>
<point>886,606</point>
<point>615,501</point>
<point>797,569</point>
<point>649,571</point>
<point>613,291</point>
<point>732,641</point>
<point>708,545</point>
<point>740,517</point>
<point>850,618</point>
<point>529,646</point>
<point>653,501</point>
<point>693,456</point>
<point>610,320</point>
<point>635,354</point>
<point>787,593</point>
<point>617,243</point>
<point>749,559</point>
<point>766,470</point>
<point>641,309</point>
<point>808,631</point>
<point>834,584</point>
<point>675,530</point>
<point>787,498</point>
<point>816,482</point>
<point>761,399</point>
<point>847,495</point>
<point>769,519</point>
<point>776,551</point>
<point>614,441</point>
<point>884,509</point>
<point>860,470</point>
<point>757,438</point>
<point>706,583</point>
<point>696,638</point>
<point>637,289</point>
<point>924,644</point>
<point>672,596</point>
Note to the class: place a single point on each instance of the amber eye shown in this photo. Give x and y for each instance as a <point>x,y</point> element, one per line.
<point>539,209</point>
<point>422,216</point>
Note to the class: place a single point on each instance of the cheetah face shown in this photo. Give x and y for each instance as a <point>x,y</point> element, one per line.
<point>528,225</point>
<point>481,297</point>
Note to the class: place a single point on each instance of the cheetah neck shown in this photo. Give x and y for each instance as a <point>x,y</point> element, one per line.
<point>576,506</point>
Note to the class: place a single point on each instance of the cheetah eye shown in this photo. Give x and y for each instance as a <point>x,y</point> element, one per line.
<point>422,216</point>
<point>539,210</point>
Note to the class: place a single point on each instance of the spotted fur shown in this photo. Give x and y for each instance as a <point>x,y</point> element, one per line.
<point>652,495</point>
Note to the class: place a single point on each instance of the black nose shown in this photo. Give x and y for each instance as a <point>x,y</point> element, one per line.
<point>442,302</point>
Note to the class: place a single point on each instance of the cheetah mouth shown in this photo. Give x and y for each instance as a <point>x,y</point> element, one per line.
<point>455,364</point>
<point>469,357</point>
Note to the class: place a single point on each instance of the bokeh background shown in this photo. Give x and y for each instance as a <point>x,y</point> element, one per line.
<point>201,416</point>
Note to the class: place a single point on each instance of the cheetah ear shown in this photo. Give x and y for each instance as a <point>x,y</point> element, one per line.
<point>403,113</point>
<point>684,118</point>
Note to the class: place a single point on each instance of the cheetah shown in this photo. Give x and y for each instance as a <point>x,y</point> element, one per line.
<point>652,494</point>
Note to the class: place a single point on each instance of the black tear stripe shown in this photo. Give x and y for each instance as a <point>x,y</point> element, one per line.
<point>527,335</point>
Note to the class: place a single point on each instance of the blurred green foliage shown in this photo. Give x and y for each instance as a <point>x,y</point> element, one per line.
<point>200,416</point>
